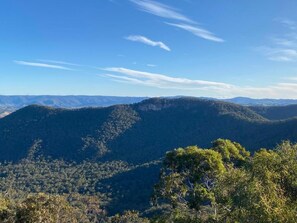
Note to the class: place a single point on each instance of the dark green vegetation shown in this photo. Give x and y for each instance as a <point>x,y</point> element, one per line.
<point>135,133</point>
<point>223,183</point>
<point>116,184</point>
<point>276,112</point>
<point>113,154</point>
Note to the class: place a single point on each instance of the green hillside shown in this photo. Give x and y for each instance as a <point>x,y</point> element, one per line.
<point>132,137</point>
<point>130,133</point>
<point>276,112</point>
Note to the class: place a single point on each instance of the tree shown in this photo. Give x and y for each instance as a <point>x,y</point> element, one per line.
<point>42,208</point>
<point>5,212</point>
<point>128,217</point>
<point>225,184</point>
<point>188,179</point>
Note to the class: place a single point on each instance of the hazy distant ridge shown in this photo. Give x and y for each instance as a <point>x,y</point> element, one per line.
<point>67,101</point>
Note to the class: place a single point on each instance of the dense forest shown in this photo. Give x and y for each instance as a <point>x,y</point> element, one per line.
<point>276,112</point>
<point>112,164</point>
<point>222,183</point>
<point>130,133</point>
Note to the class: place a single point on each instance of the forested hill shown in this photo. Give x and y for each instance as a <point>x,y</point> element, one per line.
<point>276,112</point>
<point>135,133</point>
<point>9,104</point>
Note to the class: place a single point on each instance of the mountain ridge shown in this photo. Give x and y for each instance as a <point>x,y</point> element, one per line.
<point>12,103</point>
<point>129,132</point>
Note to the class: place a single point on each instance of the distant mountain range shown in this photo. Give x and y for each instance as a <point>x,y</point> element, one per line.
<point>261,102</point>
<point>66,101</point>
<point>104,101</point>
<point>9,104</point>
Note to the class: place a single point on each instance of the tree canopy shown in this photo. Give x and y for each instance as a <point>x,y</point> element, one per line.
<point>225,183</point>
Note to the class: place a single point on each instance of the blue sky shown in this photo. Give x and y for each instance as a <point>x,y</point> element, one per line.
<point>149,48</point>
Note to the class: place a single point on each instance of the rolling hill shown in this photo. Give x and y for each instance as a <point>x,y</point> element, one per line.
<point>276,112</point>
<point>15,102</point>
<point>130,132</point>
<point>137,134</point>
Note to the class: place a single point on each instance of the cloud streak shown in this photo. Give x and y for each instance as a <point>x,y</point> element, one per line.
<point>160,80</point>
<point>161,10</point>
<point>185,23</point>
<point>59,62</point>
<point>43,65</point>
<point>147,41</point>
<point>206,88</point>
<point>282,48</point>
<point>197,31</point>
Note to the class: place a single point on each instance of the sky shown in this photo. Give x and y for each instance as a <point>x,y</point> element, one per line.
<point>201,48</point>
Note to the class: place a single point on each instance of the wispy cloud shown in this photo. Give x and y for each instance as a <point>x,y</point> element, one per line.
<point>207,88</point>
<point>160,80</point>
<point>282,48</point>
<point>44,65</point>
<point>279,54</point>
<point>59,62</point>
<point>147,41</point>
<point>151,65</point>
<point>197,31</point>
<point>287,23</point>
<point>184,22</point>
<point>161,10</point>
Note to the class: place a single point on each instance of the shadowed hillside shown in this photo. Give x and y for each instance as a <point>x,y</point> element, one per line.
<point>130,133</point>
<point>276,112</point>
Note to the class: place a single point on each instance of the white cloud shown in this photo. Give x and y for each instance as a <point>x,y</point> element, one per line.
<point>44,65</point>
<point>282,48</point>
<point>168,12</point>
<point>161,10</point>
<point>287,23</point>
<point>205,88</point>
<point>162,81</point>
<point>59,62</point>
<point>291,78</point>
<point>197,31</point>
<point>151,65</point>
<point>279,54</point>
<point>147,41</point>
<point>284,42</point>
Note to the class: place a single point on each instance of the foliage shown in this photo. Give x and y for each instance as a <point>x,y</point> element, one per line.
<point>276,112</point>
<point>116,184</point>
<point>128,217</point>
<point>43,208</point>
<point>225,184</point>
